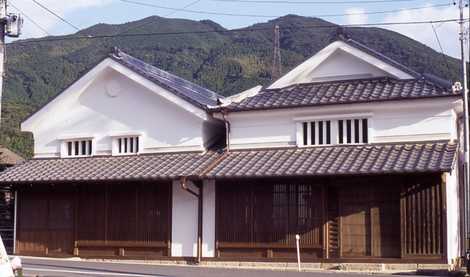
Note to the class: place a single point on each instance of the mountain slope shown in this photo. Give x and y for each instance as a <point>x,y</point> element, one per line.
<point>226,62</point>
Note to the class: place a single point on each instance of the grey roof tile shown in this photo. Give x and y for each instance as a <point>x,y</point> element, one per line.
<point>337,160</point>
<point>185,89</point>
<point>146,166</point>
<point>342,92</point>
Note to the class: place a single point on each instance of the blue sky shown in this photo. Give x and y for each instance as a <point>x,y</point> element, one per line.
<point>84,13</point>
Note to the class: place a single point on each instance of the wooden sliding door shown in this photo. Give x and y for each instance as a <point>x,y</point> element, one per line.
<point>259,219</point>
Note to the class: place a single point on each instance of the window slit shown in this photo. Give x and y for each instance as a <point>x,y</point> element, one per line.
<point>356,130</point>
<point>77,145</point>
<point>131,147</point>
<point>312,131</point>
<point>340,131</point>
<point>89,147</point>
<point>125,145</point>
<point>365,134</point>
<point>348,131</point>
<point>305,127</point>
<point>69,148</point>
<point>320,132</point>
<point>136,144</point>
<point>328,132</point>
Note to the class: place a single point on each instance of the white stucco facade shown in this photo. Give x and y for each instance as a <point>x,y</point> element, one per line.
<point>394,121</point>
<point>91,111</point>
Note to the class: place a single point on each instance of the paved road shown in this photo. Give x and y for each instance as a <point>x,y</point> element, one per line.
<point>49,268</point>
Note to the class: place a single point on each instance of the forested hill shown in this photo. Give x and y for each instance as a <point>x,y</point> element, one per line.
<point>226,62</point>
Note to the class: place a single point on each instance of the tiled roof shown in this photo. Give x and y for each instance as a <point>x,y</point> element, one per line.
<point>141,167</point>
<point>380,56</point>
<point>337,160</point>
<point>342,92</point>
<point>185,89</point>
<point>8,157</point>
<point>314,161</point>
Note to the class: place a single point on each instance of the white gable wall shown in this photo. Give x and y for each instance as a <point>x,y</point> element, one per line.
<point>394,121</point>
<point>92,112</point>
<point>339,61</point>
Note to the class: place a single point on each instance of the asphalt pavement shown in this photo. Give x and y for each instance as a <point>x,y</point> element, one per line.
<point>73,268</point>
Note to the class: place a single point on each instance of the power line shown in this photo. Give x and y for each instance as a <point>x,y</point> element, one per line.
<point>232,31</point>
<point>30,19</point>
<point>55,14</point>
<point>275,16</point>
<point>440,46</point>
<point>166,15</point>
<point>314,2</point>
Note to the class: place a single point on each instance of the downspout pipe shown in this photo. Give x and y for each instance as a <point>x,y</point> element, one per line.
<point>227,129</point>
<point>184,185</point>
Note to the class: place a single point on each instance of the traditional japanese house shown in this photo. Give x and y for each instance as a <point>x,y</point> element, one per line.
<point>351,150</point>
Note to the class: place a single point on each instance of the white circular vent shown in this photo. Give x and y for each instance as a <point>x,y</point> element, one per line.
<point>113,88</point>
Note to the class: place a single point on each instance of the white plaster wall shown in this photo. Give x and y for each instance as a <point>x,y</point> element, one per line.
<point>342,65</point>
<point>208,219</point>
<point>394,121</point>
<point>166,126</point>
<point>183,223</point>
<point>453,215</point>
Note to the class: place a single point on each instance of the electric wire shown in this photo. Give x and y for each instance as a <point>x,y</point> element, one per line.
<point>440,46</point>
<point>35,23</point>
<point>245,30</point>
<point>184,9</point>
<point>55,14</point>
<point>314,2</point>
<point>166,15</point>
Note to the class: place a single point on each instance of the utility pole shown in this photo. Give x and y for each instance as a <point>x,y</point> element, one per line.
<point>464,89</point>
<point>10,25</point>
<point>276,70</point>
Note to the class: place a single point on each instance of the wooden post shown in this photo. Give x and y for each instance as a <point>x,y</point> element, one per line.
<point>444,215</point>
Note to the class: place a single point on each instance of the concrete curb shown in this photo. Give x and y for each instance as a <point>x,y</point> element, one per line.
<point>428,269</point>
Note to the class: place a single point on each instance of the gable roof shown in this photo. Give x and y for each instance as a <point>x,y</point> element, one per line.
<point>381,57</point>
<point>342,92</point>
<point>185,89</point>
<point>303,72</point>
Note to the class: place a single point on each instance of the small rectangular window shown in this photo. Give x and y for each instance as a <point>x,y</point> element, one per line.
<point>312,132</point>
<point>348,131</point>
<point>79,148</point>
<point>356,131</point>
<point>136,145</point>
<point>320,132</point>
<point>328,132</point>
<point>69,148</point>
<point>340,131</point>
<point>365,131</point>
<point>83,149</point>
<point>305,132</point>
<point>126,145</point>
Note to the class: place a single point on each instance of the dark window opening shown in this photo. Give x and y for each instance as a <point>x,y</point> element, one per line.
<point>77,144</point>
<point>320,132</point>
<point>365,131</point>
<point>136,144</point>
<point>83,142</point>
<point>356,131</point>
<point>305,127</point>
<point>328,132</point>
<point>348,131</point>
<point>89,147</point>
<point>125,145</point>
<point>69,148</point>
<point>312,131</point>
<point>340,131</point>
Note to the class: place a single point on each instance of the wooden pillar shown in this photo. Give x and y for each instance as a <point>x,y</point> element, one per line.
<point>326,239</point>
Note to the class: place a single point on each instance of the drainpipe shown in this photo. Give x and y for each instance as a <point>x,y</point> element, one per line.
<point>198,195</point>
<point>227,129</point>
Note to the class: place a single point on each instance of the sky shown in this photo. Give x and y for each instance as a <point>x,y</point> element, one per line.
<point>85,13</point>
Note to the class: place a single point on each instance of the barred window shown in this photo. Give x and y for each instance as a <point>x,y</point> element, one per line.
<point>79,148</point>
<point>340,131</point>
<point>126,145</point>
<point>317,132</point>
